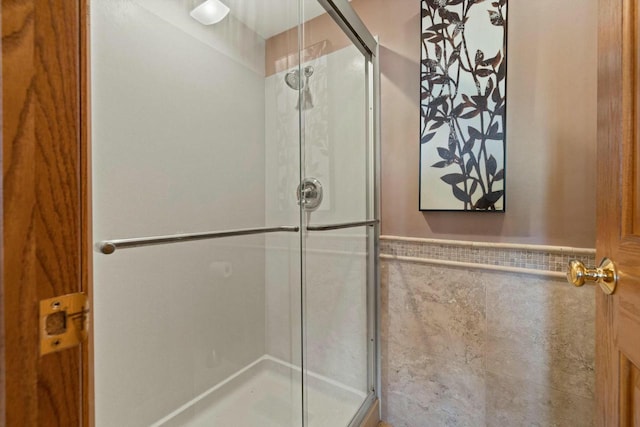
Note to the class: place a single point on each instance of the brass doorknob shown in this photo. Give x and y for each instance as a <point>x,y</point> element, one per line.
<point>604,275</point>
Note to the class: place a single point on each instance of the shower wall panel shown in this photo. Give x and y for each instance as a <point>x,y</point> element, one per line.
<point>282,258</point>
<point>178,146</point>
<point>335,262</point>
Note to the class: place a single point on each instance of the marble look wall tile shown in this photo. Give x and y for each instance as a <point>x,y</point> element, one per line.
<point>433,328</point>
<point>433,392</point>
<point>435,312</point>
<point>547,327</point>
<point>517,402</point>
<point>462,347</point>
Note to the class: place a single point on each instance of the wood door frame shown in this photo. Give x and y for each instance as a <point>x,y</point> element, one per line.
<point>609,89</point>
<point>88,388</point>
<point>46,158</point>
<point>617,136</point>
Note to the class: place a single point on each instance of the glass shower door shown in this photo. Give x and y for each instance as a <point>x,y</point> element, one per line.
<point>194,323</point>
<point>338,222</point>
<point>227,291</point>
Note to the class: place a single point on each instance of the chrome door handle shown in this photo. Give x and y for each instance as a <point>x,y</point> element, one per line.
<point>604,275</point>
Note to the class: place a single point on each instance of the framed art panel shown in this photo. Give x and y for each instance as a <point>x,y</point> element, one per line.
<point>463,105</point>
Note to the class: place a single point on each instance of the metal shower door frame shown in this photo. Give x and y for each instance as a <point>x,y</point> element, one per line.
<point>348,20</point>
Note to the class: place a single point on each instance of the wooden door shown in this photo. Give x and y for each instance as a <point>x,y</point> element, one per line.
<point>44,206</point>
<point>618,212</point>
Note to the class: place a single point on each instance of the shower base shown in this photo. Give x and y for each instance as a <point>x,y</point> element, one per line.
<point>267,393</point>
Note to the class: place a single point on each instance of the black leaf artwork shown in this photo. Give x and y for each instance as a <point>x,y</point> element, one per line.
<point>463,105</point>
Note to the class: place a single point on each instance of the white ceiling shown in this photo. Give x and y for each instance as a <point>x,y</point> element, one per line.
<point>271,17</point>
<point>265,17</point>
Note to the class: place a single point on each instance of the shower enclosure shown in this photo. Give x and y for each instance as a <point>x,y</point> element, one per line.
<point>235,191</point>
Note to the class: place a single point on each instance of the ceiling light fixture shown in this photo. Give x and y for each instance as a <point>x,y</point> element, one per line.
<point>210,12</point>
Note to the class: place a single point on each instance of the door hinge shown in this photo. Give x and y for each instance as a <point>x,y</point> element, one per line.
<point>64,322</point>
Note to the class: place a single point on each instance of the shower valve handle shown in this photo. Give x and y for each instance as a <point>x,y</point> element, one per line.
<point>309,194</point>
<point>604,275</point>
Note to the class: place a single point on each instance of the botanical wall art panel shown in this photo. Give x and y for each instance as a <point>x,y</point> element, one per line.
<point>463,105</point>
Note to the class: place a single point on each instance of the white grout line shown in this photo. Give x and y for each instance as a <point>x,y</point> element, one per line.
<point>491,267</point>
<point>226,381</point>
<point>517,246</point>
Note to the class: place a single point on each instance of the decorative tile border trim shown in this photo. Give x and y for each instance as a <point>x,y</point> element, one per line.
<point>529,259</point>
<point>457,264</point>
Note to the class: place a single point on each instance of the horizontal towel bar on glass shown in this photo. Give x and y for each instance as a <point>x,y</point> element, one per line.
<point>326,227</point>
<point>110,246</point>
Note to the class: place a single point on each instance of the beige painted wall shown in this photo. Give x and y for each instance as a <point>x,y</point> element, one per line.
<point>551,125</point>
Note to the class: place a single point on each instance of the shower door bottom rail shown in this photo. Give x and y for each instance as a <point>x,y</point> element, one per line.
<point>110,246</point>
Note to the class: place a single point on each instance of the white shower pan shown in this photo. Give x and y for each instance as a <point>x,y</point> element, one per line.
<point>268,393</point>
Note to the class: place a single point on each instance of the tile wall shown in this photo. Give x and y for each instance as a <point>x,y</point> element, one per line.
<point>472,347</point>
<point>541,258</point>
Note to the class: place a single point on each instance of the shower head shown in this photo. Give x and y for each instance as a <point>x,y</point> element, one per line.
<point>293,80</point>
